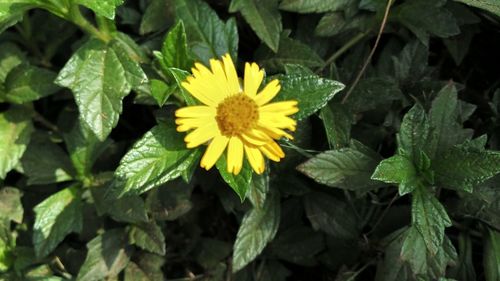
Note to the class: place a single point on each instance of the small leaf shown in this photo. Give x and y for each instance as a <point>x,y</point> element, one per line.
<point>331,215</point>
<point>337,122</point>
<point>11,207</point>
<point>263,17</point>
<point>313,6</point>
<point>159,156</point>
<point>259,226</point>
<point>347,168</point>
<point>311,92</point>
<point>430,218</point>
<point>15,134</point>
<point>179,76</point>
<point>149,237</point>
<point>107,256</point>
<point>175,49</point>
<point>105,8</point>
<point>160,91</point>
<point>239,183</point>
<point>56,217</point>
<point>100,75</point>
<point>398,169</point>
<point>491,258</point>
<point>27,83</point>
<point>207,35</point>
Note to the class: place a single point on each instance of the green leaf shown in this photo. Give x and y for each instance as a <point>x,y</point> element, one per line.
<point>491,258</point>
<point>398,169</point>
<point>169,202</point>
<point>105,8</point>
<point>149,237</point>
<point>56,217</point>
<point>414,134</point>
<point>180,76</point>
<point>159,156</point>
<point>10,57</point>
<point>464,269</point>
<point>298,244</point>
<point>107,256</point>
<point>45,162</point>
<point>331,215</point>
<point>290,51</point>
<point>430,218</point>
<point>373,92</point>
<point>424,17</point>
<point>15,134</point>
<point>175,49</point>
<point>100,75</point>
<point>259,187</point>
<point>462,168</point>
<point>347,168</point>
<point>258,227</point>
<point>157,16</point>
<point>263,17</point>
<point>337,122</point>
<point>311,92</point>
<point>207,35</point>
<point>392,267</point>
<point>11,11</point>
<point>239,183</point>
<point>313,6</point>
<point>211,252</point>
<point>11,207</point>
<point>161,91</point>
<point>27,83</point>
<point>488,5</point>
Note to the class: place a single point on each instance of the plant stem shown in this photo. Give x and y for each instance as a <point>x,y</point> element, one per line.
<point>77,18</point>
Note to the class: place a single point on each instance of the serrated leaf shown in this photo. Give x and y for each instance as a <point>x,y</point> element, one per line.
<point>105,8</point>
<point>259,187</point>
<point>239,183</point>
<point>44,162</point>
<point>429,217</point>
<point>11,207</point>
<point>56,217</point>
<point>263,17</point>
<point>311,92</point>
<point>207,35</point>
<point>312,6</point>
<point>175,49</point>
<point>491,258</point>
<point>149,237</point>
<point>258,228</point>
<point>347,168</point>
<point>488,5</point>
<point>159,156</point>
<point>331,215</point>
<point>414,134</point>
<point>462,168</point>
<point>427,17</point>
<point>398,169</point>
<point>100,75</point>
<point>107,256</point>
<point>290,51</point>
<point>15,134</point>
<point>337,122</point>
<point>26,83</point>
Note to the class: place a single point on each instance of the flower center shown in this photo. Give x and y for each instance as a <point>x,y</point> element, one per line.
<point>236,114</point>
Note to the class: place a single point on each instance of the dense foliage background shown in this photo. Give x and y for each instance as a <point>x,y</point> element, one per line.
<point>391,175</point>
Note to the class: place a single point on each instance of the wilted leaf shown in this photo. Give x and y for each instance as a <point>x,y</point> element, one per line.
<point>11,207</point>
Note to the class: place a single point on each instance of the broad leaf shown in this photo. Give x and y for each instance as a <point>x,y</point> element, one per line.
<point>239,183</point>
<point>208,36</point>
<point>347,168</point>
<point>149,237</point>
<point>11,207</point>
<point>414,134</point>
<point>56,217</point>
<point>398,169</point>
<point>489,5</point>
<point>311,92</point>
<point>263,17</point>
<point>107,256</point>
<point>100,75</point>
<point>15,134</point>
<point>313,6</point>
<point>175,49</point>
<point>27,83</point>
<point>430,218</point>
<point>259,226</point>
<point>159,156</point>
<point>105,8</point>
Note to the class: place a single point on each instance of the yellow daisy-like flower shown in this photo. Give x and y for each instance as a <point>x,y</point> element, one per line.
<point>236,117</point>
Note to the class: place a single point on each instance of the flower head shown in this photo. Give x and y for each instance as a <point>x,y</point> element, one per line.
<point>233,116</point>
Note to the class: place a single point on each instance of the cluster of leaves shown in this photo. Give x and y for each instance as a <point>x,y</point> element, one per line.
<point>390,175</point>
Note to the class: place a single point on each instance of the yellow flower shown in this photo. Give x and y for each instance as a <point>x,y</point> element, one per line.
<point>236,117</point>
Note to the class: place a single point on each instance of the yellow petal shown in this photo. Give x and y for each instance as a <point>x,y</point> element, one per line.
<point>282,107</point>
<point>273,151</point>
<point>202,135</point>
<point>256,137</point>
<point>235,155</point>
<point>268,93</point>
<point>196,111</point>
<point>219,78</point>
<point>275,133</point>
<point>214,151</point>
<point>198,92</point>
<point>253,79</point>
<point>231,75</point>
<point>255,158</point>
<point>277,120</point>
